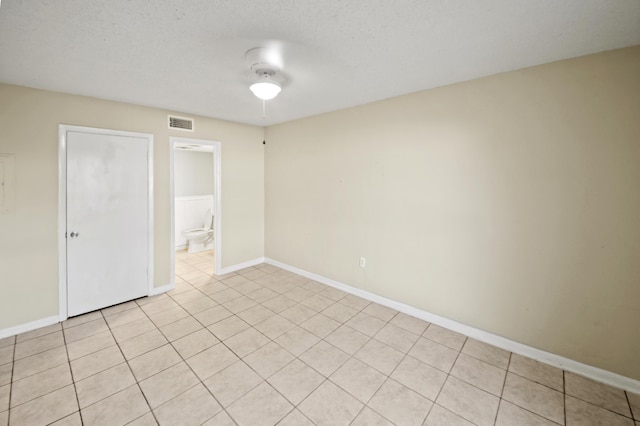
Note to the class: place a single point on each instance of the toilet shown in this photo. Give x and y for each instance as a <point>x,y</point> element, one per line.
<point>201,239</point>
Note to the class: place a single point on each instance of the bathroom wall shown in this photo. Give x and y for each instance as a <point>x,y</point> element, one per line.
<point>29,121</point>
<point>510,203</point>
<point>193,173</point>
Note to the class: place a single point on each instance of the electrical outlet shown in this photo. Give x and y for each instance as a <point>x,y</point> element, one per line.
<point>363,262</point>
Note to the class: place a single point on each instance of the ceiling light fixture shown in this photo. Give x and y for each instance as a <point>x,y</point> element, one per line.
<point>265,89</point>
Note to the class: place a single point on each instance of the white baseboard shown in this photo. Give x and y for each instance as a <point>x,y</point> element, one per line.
<point>567,364</point>
<point>33,325</point>
<point>242,265</point>
<point>162,289</point>
<point>23,328</point>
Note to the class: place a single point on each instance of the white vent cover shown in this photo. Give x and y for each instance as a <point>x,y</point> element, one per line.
<point>180,123</point>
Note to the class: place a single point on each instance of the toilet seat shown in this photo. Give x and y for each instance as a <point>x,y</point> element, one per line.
<point>195,233</point>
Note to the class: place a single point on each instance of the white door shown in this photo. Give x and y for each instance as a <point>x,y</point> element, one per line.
<point>107,219</point>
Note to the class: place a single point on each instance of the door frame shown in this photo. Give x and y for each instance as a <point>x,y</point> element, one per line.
<point>62,206</point>
<point>217,199</point>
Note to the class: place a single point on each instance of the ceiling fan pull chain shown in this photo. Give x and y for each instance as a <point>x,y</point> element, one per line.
<point>264,109</point>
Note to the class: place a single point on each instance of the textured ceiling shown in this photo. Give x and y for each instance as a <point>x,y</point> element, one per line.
<point>188,55</point>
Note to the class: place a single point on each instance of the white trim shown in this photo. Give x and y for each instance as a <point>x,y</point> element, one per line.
<point>150,231</point>
<point>62,222</point>
<point>62,206</point>
<point>238,266</point>
<point>162,289</point>
<point>217,200</point>
<point>567,364</point>
<point>33,325</point>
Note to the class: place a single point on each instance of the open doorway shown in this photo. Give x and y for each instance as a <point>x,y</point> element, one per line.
<point>196,248</point>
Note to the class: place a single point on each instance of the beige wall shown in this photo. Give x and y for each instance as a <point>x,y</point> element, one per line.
<point>510,203</point>
<point>28,236</point>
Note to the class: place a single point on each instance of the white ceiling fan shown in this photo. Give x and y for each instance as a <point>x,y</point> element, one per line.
<point>265,65</point>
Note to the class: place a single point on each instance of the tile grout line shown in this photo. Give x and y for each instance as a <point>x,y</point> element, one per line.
<point>564,396</point>
<point>73,380</point>
<point>295,357</point>
<point>633,414</point>
<point>504,383</point>
<point>405,357</point>
<point>266,380</point>
<point>387,377</point>
<point>200,381</point>
<point>129,367</point>
<point>450,375</point>
<point>13,366</point>
<point>241,359</point>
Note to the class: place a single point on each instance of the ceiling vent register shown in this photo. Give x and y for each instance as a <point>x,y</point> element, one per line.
<point>180,123</point>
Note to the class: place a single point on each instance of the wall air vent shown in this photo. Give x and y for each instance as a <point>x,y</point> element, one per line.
<point>181,123</point>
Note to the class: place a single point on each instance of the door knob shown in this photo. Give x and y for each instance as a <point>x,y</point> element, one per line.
<point>74,234</point>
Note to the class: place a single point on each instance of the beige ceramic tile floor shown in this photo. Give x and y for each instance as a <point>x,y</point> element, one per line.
<point>265,346</point>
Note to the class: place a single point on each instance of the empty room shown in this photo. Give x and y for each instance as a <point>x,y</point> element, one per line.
<point>301,213</point>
